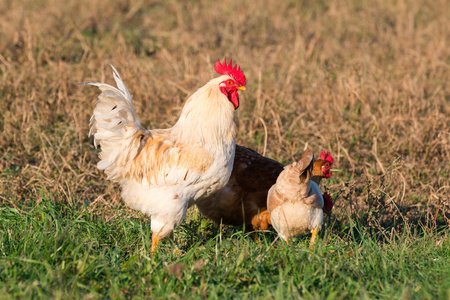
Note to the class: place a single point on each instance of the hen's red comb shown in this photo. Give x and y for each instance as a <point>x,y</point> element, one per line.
<point>324,155</point>
<point>235,72</point>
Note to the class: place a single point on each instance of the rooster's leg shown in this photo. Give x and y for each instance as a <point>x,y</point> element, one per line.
<point>313,238</point>
<point>155,242</point>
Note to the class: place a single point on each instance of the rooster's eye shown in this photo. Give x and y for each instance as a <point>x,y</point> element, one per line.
<point>230,82</point>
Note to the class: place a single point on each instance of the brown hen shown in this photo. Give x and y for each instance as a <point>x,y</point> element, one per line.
<point>244,199</point>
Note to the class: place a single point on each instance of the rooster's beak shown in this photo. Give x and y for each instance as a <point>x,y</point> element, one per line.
<point>242,88</point>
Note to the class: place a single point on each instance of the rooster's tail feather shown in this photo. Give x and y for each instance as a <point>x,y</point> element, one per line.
<point>115,125</point>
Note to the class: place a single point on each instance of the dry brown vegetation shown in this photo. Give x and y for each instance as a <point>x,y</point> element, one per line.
<point>366,80</point>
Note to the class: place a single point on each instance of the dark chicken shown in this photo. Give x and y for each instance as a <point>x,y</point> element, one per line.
<point>244,199</point>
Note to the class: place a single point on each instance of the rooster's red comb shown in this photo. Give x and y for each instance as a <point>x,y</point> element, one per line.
<point>324,155</point>
<point>235,72</point>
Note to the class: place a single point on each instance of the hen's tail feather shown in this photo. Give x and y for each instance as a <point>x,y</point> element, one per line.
<point>115,127</point>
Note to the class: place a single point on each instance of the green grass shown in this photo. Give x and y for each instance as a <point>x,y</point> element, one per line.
<point>54,250</point>
<point>365,80</point>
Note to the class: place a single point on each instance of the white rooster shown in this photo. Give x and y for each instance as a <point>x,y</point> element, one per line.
<point>164,171</point>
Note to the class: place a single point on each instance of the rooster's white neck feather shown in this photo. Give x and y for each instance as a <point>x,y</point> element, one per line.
<point>207,117</point>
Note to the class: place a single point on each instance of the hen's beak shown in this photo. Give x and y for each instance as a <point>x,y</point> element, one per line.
<point>242,88</point>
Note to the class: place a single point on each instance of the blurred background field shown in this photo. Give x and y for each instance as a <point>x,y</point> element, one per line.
<point>366,80</point>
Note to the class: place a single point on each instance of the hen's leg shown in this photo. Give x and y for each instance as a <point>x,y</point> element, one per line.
<point>155,242</point>
<point>261,221</point>
<point>313,238</point>
<point>176,250</point>
<point>255,237</point>
<point>265,220</point>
